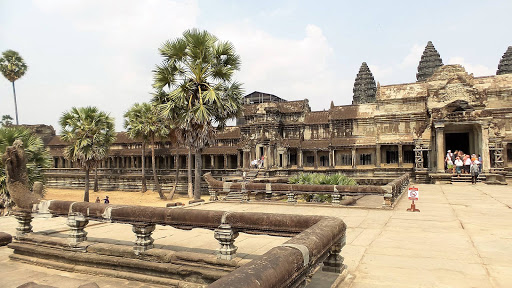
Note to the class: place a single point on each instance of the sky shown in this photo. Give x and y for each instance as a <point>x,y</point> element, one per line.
<point>101,53</point>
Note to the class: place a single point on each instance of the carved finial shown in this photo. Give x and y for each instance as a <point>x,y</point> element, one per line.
<point>430,61</point>
<point>364,86</point>
<point>505,66</point>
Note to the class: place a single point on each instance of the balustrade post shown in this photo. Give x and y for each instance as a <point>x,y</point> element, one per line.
<point>291,197</point>
<point>24,219</point>
<point>226,237</point>
<point>213,194</point>
<point>334,261</point>
<point>77,223</point>
<point>336,196</point>
<point>143,233</point>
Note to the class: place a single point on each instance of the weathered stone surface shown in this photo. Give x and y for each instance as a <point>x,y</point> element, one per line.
<point>505,66</point>
<point>34,285</point>
<point>430,61</point>
<point>5,238</point>
<point>364,86</point>
<point>16,176</point>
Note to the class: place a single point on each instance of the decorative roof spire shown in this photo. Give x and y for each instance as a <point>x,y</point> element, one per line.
<point>364,86</point>
<point>430,61</point>
<point>332,104</point>
<point>505,66</point>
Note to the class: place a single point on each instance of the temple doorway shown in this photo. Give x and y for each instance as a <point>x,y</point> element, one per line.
<point>457,141</point>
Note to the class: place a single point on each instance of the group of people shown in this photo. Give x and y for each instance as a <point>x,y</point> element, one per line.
<point>105,201</point>
<point>461,163</point>
<point>258,164</point>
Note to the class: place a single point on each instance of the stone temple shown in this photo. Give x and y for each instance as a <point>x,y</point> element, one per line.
<point>388,130</point>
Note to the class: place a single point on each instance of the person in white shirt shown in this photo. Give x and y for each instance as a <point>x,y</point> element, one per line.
<point>474,171</point>
<point>458,166</point>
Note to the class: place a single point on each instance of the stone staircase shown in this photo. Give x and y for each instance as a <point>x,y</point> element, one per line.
<point>466,178</point>
<point>238,195</point>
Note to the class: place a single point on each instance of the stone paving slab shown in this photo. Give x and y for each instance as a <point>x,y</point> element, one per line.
<point>461,238</point>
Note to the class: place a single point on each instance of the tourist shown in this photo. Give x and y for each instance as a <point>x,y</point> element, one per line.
<point>458,166</point>
<point>98,200</point>
<point>449,163</point>
<point>106,201</point>
<point>467,163</point>
<point>474,171</point>
<point>479,165</point>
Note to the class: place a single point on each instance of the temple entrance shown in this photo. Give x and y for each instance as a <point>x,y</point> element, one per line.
<point>457,141</point>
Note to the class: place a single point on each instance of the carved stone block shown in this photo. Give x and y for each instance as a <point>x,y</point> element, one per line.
<point>226,237</point>
<point>144,240</point>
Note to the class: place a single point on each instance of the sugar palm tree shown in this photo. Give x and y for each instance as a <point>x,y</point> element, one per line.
<point>145,123</point>
<point>134,125</point>
<point>38,157</point>
<point>197,74</point>
<point>90,133</point>
<point>13,68</point>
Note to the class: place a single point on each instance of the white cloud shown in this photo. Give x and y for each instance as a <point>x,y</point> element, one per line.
<point>476,69</point>
<point>293,69</point>
<point>413,58</point>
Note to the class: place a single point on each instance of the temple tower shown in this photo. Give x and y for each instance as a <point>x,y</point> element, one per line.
<point>430,61</point>
<point>364,86</point>
<point>505,66</point>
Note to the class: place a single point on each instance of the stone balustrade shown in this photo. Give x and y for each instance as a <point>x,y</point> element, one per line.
<point>314,240</point>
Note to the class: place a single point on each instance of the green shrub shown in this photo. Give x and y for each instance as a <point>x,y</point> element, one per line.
<point>320,179</point>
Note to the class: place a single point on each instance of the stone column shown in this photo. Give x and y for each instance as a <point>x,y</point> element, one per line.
<point>400,155</point>
<point>238,160</point>
<point>440,146</point>
<point>291,197</point>
<point>226,237</point>
<point>285,158</point>
<point>378,155</point>
<point>225,161</point>
<point>505,154</point>
<point>354,157</point>
<point>486,165</point>
<point>24,219</point>
<point>143,232</point>
<point>316,159</point>
<point>247,160</point>
<point>334,261</point>
<point>300,157</point>
<point>77,223</point>
<point>331,158</point>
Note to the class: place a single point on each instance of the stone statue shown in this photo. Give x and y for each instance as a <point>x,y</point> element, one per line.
<point>17,177</point>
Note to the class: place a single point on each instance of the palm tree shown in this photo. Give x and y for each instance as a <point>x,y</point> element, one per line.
<point>143,121</point>
<point>13,68</point>
<point>134,125</point>
<point>90,133</point>
<point>38,157</point>
<point>197,72</point>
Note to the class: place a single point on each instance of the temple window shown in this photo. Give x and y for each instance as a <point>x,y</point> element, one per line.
<point>365,159</point>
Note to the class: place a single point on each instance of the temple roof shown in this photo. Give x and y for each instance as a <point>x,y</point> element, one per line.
<point>505,66</point>
<point>344,112</point>
<point>318,117</point>
<point>430,61</point>
<point>364,86</point>
<point>231,132</point>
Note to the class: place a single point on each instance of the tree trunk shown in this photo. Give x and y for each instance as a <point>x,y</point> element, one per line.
<point>197,180</point>
<point>15,104</point>
<point>189,174</point>
<point>153,164</point>
<point>143,159</point>
<point>176,177</point>
<point>86,193</point>
<point>96,179</point>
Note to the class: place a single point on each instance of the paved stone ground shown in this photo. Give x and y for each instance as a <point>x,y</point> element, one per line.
<point>461,238</point>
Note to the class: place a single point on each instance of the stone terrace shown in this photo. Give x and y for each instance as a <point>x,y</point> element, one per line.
<point>461,238</point>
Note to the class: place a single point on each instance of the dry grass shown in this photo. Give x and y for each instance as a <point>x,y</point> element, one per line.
<point>149,198</point>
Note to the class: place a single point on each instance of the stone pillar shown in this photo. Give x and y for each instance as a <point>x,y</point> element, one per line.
<point>486,165</point>
<point>238,160</point>
<point>144,241</point>
<point>331,158</point>
<point>505,154</point>
<point>400,155</point>
<point>354,157</point>
<point>440,146</point>
<point>300,159</point>
<point>212,161</point>
<point>225,161</point>
<point>336,198</point>
<point>226,237</point>
<point>24,219</point>
<point>247,160</point>
<point>316,159</point>
<point>334,261</point>
<point>77,223</point>
<point>378,156</point>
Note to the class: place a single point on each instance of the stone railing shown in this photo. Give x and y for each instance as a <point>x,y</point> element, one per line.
<point>216,188</point>
<point>315,240</point>
<point>395,189</point>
